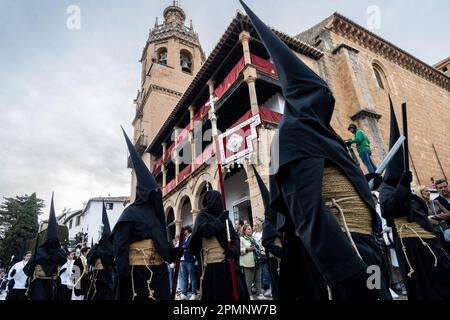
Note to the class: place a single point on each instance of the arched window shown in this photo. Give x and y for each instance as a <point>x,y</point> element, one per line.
<point>186,61</point>
<point>162,56</point>
<point>380,76</point>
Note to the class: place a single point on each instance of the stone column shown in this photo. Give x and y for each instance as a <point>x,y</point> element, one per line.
<point>178,226</point>
<point>163,168</point>
<point>195,213</point>
<point>244,37</point>
<point>192,138</point>
<point>177,158</point>
<point>250,78</point>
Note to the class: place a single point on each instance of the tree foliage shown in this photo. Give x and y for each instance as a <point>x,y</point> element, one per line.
<point>18,224</point>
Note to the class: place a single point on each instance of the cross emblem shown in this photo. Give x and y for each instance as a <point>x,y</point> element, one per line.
<point>212,102</point>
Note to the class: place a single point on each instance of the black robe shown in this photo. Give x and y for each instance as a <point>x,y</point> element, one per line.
<point>125,233</point>
<point>216,284</point>
<point>50,257</point>
<point>427,282</point>
<point>84,278</point>
<point>101,284</point>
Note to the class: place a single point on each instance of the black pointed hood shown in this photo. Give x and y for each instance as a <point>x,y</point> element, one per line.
<point>395,168</point>
<point>146,183</point>
<point>148,207</point>
<point>52,228</point>
<point>273,221</point>
<point>105,222</point>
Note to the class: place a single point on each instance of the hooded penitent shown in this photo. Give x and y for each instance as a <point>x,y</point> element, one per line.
<point>148,205</point>
<point>104,248</point>
<point>50,255</point>
<point>305,143</point>
<point>212,212</point>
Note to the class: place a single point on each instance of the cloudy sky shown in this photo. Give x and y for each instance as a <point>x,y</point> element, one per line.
<point>64,92</point>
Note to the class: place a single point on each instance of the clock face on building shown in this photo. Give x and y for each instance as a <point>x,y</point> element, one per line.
<point>234,143</point>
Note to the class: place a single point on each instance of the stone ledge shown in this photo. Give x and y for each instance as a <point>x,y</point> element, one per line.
<point>364,114</point>
<point>343,46</point>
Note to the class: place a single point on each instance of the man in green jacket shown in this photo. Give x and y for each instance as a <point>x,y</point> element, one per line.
<point>363,146</point>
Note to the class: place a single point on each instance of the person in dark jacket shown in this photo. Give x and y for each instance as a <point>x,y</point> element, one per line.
<point>188,272</point>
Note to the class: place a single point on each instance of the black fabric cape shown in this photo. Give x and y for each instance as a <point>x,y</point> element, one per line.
<point>216,284</point>
<point>306,140</point>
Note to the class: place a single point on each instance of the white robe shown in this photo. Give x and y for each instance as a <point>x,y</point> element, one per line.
<point>20,278</point>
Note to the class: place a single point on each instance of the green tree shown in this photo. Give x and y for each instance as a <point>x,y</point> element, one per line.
<point>18,224</point>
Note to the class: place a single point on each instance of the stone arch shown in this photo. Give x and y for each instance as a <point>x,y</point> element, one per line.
<point>184,214</point>
<point>170,223</point>
<point>201,181</point>
<point>162,56</point>
<point>186,61</point>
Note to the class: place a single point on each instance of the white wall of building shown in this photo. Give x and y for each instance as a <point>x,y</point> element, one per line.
<point>92,223</point>
<point>236,189</point>
<point>276,103</point>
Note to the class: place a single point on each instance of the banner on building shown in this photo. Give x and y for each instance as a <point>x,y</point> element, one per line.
<point>237,142</point>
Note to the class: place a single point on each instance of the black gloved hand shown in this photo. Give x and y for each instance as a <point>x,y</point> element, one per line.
<point>224,215</point>
<point>406,179</point>
<point>348,143</point>
<point>377,180</point>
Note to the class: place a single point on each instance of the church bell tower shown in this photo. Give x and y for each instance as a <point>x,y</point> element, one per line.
<point>170,60</point>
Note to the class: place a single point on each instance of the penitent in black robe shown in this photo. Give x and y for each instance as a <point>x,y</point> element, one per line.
<point>304,143</point>
<point>427,282</point>
<point>142,220</point>
<point>217,283</point>
<point>294,275</point>
<point>124,234</point>
<point>101,283</point>
<point>50,257</point>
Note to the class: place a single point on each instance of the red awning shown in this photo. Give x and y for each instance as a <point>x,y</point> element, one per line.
<point>263,65</point>
<point>170,186</point>
<point>157,165</point>
<point>184,173</point>
<point>230,79</point>
<point>201,112</point>
<point>205,156</point>
<point>269,115</point>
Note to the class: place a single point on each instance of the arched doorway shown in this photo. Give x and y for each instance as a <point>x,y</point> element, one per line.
<point>186,212</point>
<point>171,224</point>
<point>238,195</point>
